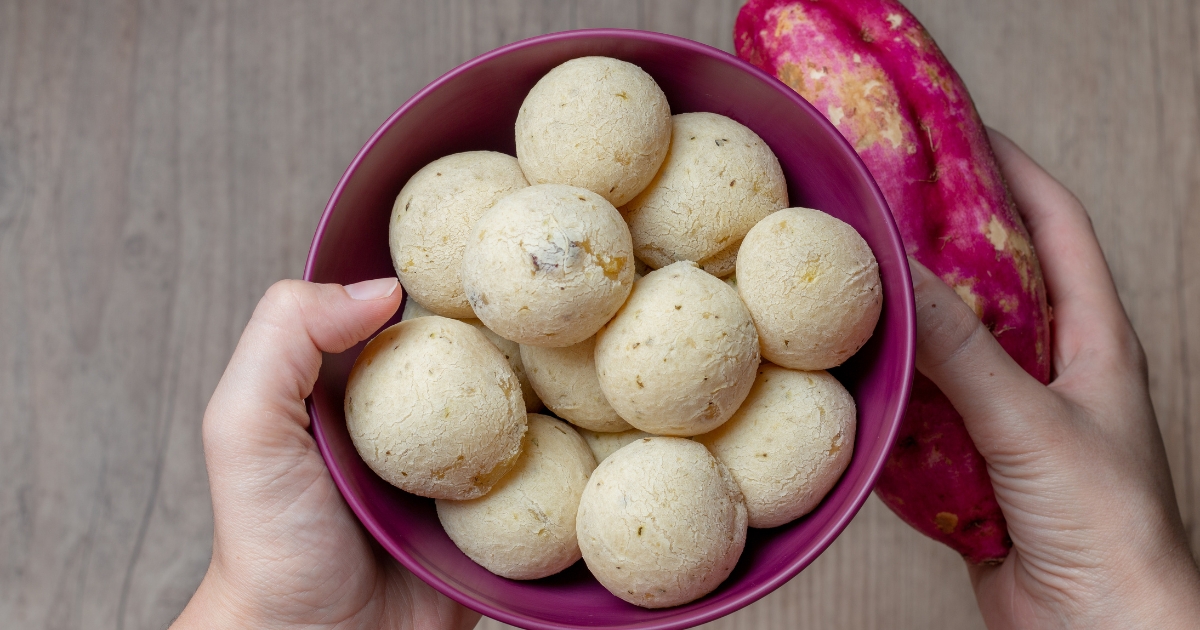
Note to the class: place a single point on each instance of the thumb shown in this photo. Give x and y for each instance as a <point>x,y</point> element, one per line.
<point>960,355</point>
<point>261,395</point>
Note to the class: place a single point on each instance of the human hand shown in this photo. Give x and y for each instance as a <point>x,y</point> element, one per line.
<point>287,551</point>
<point>1078,466</point>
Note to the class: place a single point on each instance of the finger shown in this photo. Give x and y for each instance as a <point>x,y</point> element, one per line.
<point>961,357</point>
<point>1078,282</point>
<point>278,357</point>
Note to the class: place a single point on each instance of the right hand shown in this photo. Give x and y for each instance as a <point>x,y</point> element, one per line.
<point>287,550</point>
<point>1078,466</point>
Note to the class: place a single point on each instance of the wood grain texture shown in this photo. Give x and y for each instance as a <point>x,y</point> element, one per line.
<point>162,162</point>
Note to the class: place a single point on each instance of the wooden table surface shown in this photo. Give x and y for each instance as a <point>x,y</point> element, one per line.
<point>163,162</point>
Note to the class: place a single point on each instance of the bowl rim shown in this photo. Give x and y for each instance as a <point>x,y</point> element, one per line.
<point>752,593</point>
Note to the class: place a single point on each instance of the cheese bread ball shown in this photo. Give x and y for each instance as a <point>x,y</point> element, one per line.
<point>434,409</point>
<point>718,180</point>
<point>524,528</point>
<point>812,285</point>
<point>548,265</point>
<point>432,216</point>
<point>680,355</point>
<point>661,522</point>
<point>640,268</point>
<point>605,444</point>
<point>566,379</point>
<point>597,123</point>
<point>413,310</point>
<point>788,444</point>
<point>510,349</point>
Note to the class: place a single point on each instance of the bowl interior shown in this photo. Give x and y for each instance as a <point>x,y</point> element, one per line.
<point>473,108</point>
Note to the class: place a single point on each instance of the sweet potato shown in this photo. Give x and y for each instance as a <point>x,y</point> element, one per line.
<point>873,70</point>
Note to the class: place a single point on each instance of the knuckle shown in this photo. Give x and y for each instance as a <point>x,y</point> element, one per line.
<point>1052,429</point>
<point>280,299</point>
<point>282,292</point>
<point>950,327</point>
<point>1124,353</point>
<point>967,334</point>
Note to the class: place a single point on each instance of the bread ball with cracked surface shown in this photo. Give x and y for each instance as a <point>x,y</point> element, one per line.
<point>788,444</point>
<point>548,265</point>
<point>524,528</point>
<point>432,216</point>
<point>680,355</point>
<point>510,349</point>
<point>434,409</point>
<point>718,180</point>
<point>566,379</point>
<point>413,310</point>
<point>597,123</point>
<point>661,522</point>
<point>812,285</point>
<point>604,444</point>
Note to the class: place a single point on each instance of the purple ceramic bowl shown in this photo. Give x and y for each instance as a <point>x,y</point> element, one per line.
<point>474,107</point>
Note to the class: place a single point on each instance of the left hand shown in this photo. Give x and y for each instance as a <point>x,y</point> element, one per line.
<point>287,550</point>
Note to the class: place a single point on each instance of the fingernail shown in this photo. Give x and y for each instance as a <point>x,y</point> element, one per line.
<point>372,289</point>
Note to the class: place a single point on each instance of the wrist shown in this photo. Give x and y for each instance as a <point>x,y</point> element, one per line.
<point>213,605</point>
<point>1163,593</point>
<point>1150,591</point>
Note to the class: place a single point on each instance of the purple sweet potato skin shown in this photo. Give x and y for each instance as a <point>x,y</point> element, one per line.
<point>872,69</point>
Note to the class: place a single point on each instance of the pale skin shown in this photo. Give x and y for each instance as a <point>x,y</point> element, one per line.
<point>1079,466</point>
<point>287,551</point>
